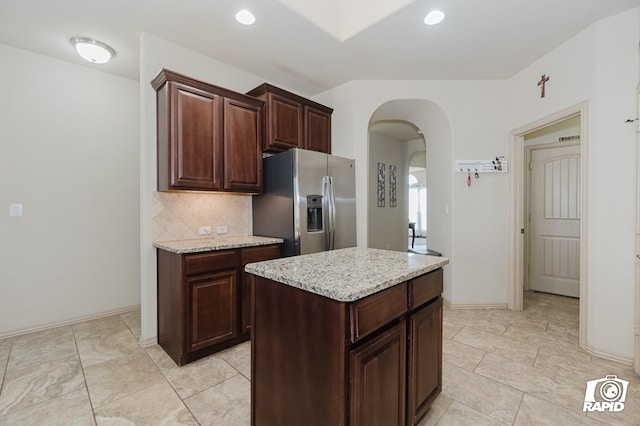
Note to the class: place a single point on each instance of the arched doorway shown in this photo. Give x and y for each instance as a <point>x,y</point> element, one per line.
<point>392,144</point>
<point>430,119</point>
<point>418,202</point>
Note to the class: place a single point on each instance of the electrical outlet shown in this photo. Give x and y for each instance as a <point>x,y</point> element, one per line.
<point>204,230</point>
<point>222,229</point>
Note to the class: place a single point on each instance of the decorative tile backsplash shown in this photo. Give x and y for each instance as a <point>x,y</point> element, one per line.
<point>178,215</point>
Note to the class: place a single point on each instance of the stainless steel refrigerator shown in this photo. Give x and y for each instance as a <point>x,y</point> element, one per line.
<point>309,200</point>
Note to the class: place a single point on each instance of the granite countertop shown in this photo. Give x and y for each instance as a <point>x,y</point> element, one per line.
<point>217,243</point>
<point>347,274</point>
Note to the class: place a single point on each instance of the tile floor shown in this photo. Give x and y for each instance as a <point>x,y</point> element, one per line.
<point>499,367</point>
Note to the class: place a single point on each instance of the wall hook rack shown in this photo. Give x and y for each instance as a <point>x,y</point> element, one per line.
<point>498,165</point>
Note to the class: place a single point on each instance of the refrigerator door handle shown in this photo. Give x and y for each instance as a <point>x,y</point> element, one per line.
<point>329,206</point>
<point>332,215</point>
<point>325,211</point>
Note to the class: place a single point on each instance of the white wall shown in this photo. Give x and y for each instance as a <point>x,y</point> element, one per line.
<point>552,133</point>
<point>388,225</point>
<point>156,54</point>
<point>460,119</point>
<point>70,156</point>
<point>599,66</point>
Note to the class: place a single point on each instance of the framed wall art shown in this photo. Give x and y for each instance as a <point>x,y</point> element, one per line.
<point>381,167</point>
<point>392,185</point>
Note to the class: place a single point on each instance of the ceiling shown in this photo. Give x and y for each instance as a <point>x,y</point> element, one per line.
<point>397,129</point>
<point>487,39</point>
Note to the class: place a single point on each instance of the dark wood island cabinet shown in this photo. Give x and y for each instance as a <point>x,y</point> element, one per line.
<point>327,355</point>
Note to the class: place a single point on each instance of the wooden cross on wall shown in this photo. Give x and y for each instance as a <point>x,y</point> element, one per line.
<point>541,83</point>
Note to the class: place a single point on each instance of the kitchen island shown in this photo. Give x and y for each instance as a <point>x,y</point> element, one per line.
<point>346,337</point>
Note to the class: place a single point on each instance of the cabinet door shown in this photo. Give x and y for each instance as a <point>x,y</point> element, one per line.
<point>242,150</point>
<point>248,281</point>
<point>377,384</point>
<point>317,128</point>
<point>249,255</point>
<point>284,123</point>
<point>196,139</point>
<point>211,309</point>
<point>425,359</point>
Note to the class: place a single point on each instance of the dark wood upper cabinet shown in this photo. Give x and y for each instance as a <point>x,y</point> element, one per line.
<point>194,158</point>
<point>242,153</point>
<point>292,121</point>
<point>209,138</point>
<point>284,123</point>
<point>317,129</point>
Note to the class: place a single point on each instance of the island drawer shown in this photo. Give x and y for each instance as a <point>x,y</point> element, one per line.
<point>369,314</point>
<point>211,261</point>
<point>258,254</point>
<point>425,288</point>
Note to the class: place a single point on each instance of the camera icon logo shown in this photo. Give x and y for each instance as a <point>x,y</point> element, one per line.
<point>605,394</point>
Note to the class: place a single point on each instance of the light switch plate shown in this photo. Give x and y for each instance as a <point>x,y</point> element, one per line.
<point>15,210</point>
<point>222,229</point>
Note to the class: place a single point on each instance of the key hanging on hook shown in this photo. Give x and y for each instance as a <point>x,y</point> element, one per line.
<point>469,179</point>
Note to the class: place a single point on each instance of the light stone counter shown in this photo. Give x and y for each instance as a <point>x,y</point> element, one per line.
<point>217,243</point>
<point>347,274</point>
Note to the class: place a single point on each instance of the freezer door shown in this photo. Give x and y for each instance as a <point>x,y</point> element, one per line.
<point>273,213</point>
<point>310,168</point>
<point>343,174</point>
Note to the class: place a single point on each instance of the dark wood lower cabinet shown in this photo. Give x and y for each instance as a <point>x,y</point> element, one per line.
<point>250,255</point>
<point>318,361</point>
<point>378,380</point>
<point>212,309</point>
<point>425,359</point>
<point>204,300</point>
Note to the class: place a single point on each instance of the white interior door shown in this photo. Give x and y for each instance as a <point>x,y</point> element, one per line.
<point>555,220</point>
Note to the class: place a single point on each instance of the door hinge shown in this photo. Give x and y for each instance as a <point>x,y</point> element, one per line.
<point>522,230</point>
<point>529,268</point>
<point>530,165</point>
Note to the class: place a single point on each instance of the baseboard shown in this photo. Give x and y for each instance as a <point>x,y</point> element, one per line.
<point>69,322</point>
<point>610,356</point>
<point>148,342</point>
<point>475,306</point>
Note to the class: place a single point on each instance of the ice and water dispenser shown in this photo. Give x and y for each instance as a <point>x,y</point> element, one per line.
<point>314,213</point>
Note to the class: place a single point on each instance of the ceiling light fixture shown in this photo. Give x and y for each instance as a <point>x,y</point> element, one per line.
<point>245,17</point>
<point>93,50</point>
<point>434,17</point>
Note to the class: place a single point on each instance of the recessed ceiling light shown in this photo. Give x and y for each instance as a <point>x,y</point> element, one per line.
<point>93,50</point>
<point>245,17</point>
<point>434,17</point>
